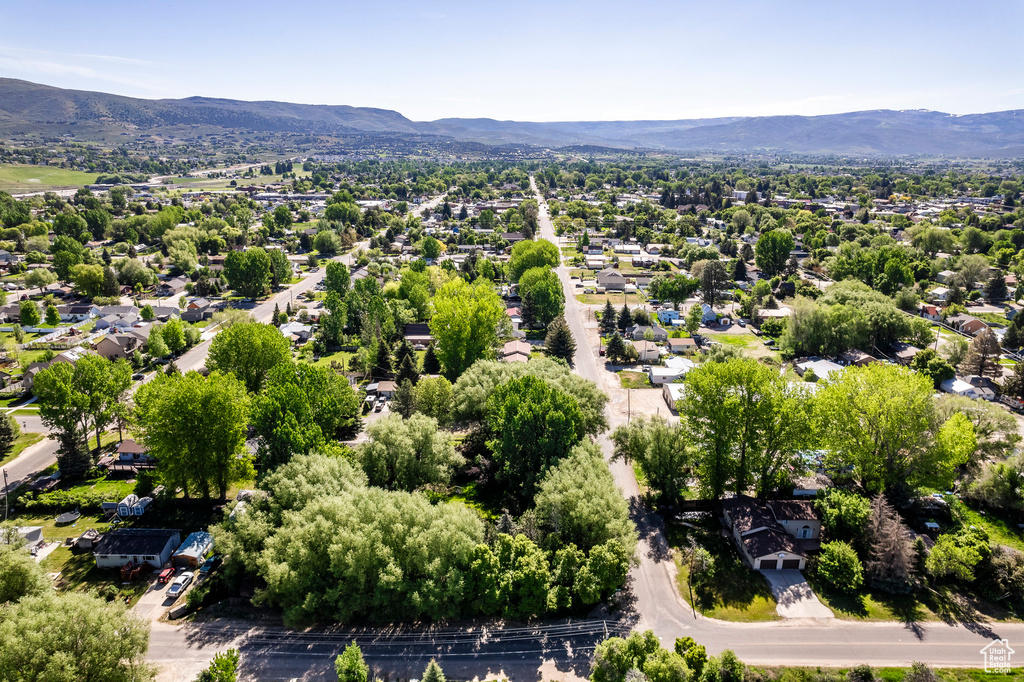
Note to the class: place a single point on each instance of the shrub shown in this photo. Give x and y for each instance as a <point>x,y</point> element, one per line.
<point>862,673</point>
<point>839,566</point>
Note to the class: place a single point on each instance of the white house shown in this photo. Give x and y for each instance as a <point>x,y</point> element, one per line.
<point>961,387</point>
<point>821,368</point>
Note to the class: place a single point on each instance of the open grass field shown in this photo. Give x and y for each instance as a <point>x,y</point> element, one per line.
<point>19,178</point>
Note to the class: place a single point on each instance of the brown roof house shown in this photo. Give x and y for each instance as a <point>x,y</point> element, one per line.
<point>773,535</point>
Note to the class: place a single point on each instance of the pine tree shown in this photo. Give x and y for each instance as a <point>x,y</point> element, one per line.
<point>559,341</point>
<point>9,433</point>
<point>276,319</point>
<point>625,318</point>
<point>996,289</point>
<point>616,348</point>
<point>288,308</point>
<point>405,349</point>
<point>350,666</point>
<point>739,270</point>
<point>1012,338</point>
<point>983,355</point>
<point>407,370</point>
<point>431,365</point>
<point>403,402</point>
<point>608,318</point>
<point>891,556</point>
<point>1014,384</point>
<point>433,673</point>
<point>383,367</point>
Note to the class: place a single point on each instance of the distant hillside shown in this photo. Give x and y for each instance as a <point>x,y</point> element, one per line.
<point>31,109</point>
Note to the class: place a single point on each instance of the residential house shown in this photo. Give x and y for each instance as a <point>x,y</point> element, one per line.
<point>958,386</point>
<point>516,351</point>
<point>133,452</point>
<point>930,312</point>
<point>117,322</point>
<point>709,315</point>
<point>117,346</point>
<point>666,316</point>
<point>772,535</point>
<point>939,294</point>
<point>595,262</point>
<point>904,353</point>
<point>855,357</point>
<point>136,545</point>
<point>193,550</point>
<point>418,334</point>
<point>611,280</point>
<point>968,324</point>
<point>77,312</point>
<point>515,315</point>
<point>674,370</point>
<point>821,368</point>
<point>682,346</point>
<point>386,389</point>
<point>945,277</point>
<point>638,332</point>
<point>646,350</point>
<point>296,332</point>
<point>172,287</point>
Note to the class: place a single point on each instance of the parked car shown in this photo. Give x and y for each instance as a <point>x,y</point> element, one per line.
<point>209,565</point>
<point>741,322</point>
<point>165,575</point>
<point>180,583</point>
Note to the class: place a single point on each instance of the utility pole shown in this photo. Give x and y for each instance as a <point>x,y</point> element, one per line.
<point>6,503</point>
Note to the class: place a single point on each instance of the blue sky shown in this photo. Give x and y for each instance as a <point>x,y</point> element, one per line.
<point>539,61</point>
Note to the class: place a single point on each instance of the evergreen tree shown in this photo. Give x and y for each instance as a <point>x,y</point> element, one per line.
<point>431,365</point>
<point>407,370</point>
<point>383,367</point>
<point>891,555</point>
<point>1014,384</point>
<point>739,270</point>
<point>288,308</point>
<point>955,295</point>
<point>559,342</point>
<point>350,665</point>
<point>996,289</point>
<point>111,287</point>
<point>1012,338</point>
<point>983,355</point>
<point>107,258</point>
<point>403,402</point>
<point>276,319</point>
<point>9,433</point>
<point>625,318</point>
<point>608,318</point>
<point>433,673</point>
<point>405,350</point>
<point>616,348</point>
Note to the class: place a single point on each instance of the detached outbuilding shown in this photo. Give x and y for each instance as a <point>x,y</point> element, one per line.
<point>193,550</point>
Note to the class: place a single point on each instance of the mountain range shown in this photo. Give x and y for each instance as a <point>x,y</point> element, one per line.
<point>34,110</point>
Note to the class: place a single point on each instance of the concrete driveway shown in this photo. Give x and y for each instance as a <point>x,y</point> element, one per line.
<point>795,597</point>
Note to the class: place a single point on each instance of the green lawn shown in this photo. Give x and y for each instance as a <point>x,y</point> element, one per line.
<point>734,592</point>
<point>634,379</point>
<point>23,441</point>
<point>26,178</point>
<point>737,340</point>
<point>999,531</point>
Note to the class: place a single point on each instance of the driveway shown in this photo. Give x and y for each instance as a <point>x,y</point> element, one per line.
<point>795,597</point>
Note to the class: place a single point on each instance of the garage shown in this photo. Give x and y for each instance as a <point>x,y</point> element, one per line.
<point>769,564</point>
<point>790,563</point>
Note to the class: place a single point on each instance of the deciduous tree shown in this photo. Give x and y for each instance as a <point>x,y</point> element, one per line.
<point>196,427</point>
<point>404,454</point>
<point>468,321</point>
<point>249,350</point>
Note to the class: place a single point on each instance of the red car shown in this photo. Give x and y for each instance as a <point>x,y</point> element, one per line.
<point>166,575</point>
